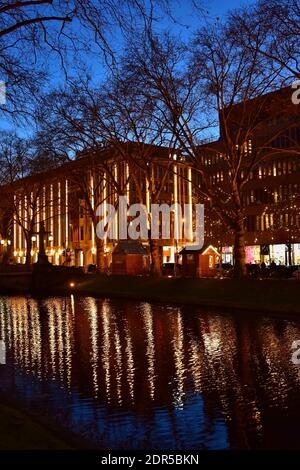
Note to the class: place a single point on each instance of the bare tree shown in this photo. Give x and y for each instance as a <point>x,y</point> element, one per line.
<point>128,121</point>
<point>70,135</point>
<point>26,29</point>
<point>273,28</point>
<point>35,34</point>
<point>224,83</point>
<point>23,168</point>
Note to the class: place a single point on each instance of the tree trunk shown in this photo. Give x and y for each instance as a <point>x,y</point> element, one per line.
<point>239,254</point>
<point>100,258</point>
<point>155,258</point>
<point>28,250</point>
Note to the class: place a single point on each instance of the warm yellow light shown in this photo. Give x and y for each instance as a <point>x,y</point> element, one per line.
<point>72,284</point>
<point>2,242</point>
<point>20,253</point>
<point>210,247</point>
<point>33,238</point>
<point>94,250</point>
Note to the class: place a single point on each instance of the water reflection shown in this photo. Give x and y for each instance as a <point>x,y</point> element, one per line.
<point>135,375</point>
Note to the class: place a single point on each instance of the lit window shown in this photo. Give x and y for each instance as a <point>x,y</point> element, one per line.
<point>267,225</point>
<point>279,169</point>
<point>284,168</point>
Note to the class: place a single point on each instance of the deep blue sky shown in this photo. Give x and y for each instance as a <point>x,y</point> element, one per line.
<point>213,7</point>
<point>221,6</point>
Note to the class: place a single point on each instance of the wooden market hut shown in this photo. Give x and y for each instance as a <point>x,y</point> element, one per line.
<point>130,257</point>
<point>200,263</point>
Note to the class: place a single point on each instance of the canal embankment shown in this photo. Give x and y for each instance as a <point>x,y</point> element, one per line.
<point>278,296</point>
<point>264,295</point>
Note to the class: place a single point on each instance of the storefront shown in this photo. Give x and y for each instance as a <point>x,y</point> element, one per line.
<point>296,252</point>
<point>283,254</point>
<point>278,254</point>
<point>227,254</point>
<point>168,254</point>
<point>253,254</point>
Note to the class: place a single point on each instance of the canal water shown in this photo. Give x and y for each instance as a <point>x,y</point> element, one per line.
<point>133,375</point>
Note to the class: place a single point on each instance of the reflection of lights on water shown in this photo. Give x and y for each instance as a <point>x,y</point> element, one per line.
<point>72,306</point>
<point>35,347</point>
<point>15,338</point>
<point>24,327</point>
<point>212,343</point>
<point>150,350</point>
<point>60,340</point>
<point>93,321</point>
<point>68,341</point>
<point>118,365</point>
<point>273,354</point>
<point>130,363</point>
<point>231,367</point>
<point>195,364</point>
<point>21,332</point>
<point>179,361</point>
<point>106,313</point>
<point>2,321</point>
<point>290,335</point>
<point>51,327</point>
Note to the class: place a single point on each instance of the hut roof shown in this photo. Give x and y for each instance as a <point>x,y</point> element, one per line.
<point>130,247</point>
<point>202,251</point>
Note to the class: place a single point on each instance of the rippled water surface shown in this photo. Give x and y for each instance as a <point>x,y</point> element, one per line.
<point>131,375</point>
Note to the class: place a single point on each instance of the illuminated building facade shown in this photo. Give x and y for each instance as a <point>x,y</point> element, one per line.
<point>271,197</point>
<point>66,200</point>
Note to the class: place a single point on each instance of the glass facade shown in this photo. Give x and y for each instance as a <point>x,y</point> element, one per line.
<point>279,253</point>
<point>253,254</point>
